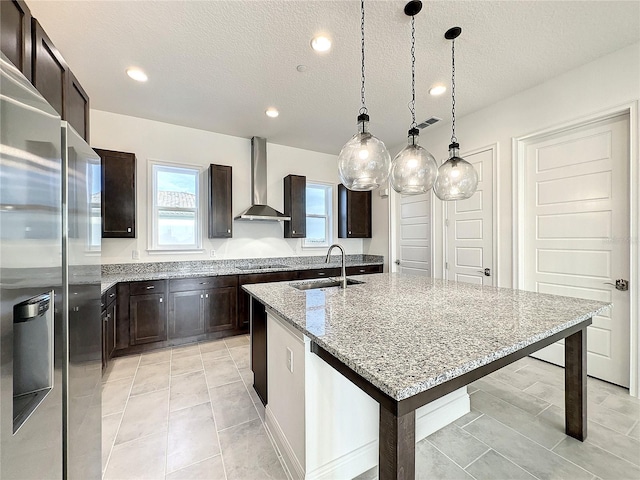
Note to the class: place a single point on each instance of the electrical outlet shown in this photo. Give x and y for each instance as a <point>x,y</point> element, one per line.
<point>213,253</point>
<point>135,254</point>
<point>290,359</point>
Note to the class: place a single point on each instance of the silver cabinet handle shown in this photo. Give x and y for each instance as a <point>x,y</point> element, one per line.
<point>112,295</point>
<point>349,232</point>
<point>206,295</point>
<point>129,230</point>
<point>160,299</point>
<point>201,296</point>
<point>108,315</point>
<point>229,230</point>
<point>621,284</point>
<point>204,283</point>
<point>320,274</point>
<point>150,287</point>
<point>294,231</point>
<point>362,270</point>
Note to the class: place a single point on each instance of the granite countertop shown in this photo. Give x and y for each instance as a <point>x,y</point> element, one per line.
<point>406,334</point>
<point>112,274</point>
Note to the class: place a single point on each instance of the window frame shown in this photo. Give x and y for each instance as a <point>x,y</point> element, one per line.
<point>328,216</point>
<point>155,210</point>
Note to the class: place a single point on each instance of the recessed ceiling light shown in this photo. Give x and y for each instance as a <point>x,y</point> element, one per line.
<point>272,112</point>
<point>137,74</point>
<point>301,68</point>
<point>320,43</point>
<point>437,90</point>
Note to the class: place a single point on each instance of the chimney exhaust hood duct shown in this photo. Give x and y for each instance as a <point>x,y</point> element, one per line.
<point>259,210</point>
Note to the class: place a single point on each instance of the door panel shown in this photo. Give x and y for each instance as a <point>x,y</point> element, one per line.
<point>469,227</point>
<point>575,214</point>
<point>414,234</point>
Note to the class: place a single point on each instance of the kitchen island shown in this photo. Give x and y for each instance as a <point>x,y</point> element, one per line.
<point>407,341</point>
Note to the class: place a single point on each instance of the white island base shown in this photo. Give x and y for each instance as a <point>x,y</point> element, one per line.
<point>324,426</point>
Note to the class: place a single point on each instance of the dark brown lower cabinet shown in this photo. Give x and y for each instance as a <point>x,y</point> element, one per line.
<point>186,314</point>
<point>220,308</point>
<point>259,349</point>
<point>161,313</point>
<point>148,317</point>
<point>108,315</point>
<point>244,298</point>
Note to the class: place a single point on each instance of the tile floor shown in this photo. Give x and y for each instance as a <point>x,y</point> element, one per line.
<point>190,413</point>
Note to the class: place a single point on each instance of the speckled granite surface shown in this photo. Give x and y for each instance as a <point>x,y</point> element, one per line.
<point>131,272</point>
<point>406,334</point>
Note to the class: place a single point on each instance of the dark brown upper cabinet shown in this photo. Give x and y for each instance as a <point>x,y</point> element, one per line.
<point>77,107</point>
<point>15,34</point>
<point>220,206</point>
<point>118,194</point>
<point>49,70</point>
<point>354,213</point>
<point>295,206</point>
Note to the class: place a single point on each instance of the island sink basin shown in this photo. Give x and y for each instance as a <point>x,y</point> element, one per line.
<point>324,283</point>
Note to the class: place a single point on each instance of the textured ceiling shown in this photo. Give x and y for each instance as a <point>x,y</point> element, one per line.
<point>217,65</point>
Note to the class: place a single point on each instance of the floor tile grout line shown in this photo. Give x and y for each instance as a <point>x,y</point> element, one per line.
<point>451,459</point>
<point>106,465</point>
<point>166,451</point>
<point>519,466</point>
<point>478,457</point>
<point>195,463</point>
<point>611,453</point>
<point>515,406</point>
<point>628,434</point>
<point>469,423</point>
<point>549,450</point>
<point>215,423</point>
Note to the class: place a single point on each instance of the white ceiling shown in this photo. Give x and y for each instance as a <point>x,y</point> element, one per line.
<point>217,65</point>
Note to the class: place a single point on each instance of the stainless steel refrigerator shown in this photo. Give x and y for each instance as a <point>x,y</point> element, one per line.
<point>50,332</point>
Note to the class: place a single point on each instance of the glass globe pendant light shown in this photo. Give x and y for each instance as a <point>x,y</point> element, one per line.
<point>457,179</point>
<point>364,162</point>
<point>414,169</point>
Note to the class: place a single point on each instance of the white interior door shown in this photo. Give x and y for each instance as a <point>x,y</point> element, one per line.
<point>469,228</point>
<point>413,253</point>
<point>576,220</point>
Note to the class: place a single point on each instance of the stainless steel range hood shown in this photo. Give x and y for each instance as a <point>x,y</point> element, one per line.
<point>259,210</point>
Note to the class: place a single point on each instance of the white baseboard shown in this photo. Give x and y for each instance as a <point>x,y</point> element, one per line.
<point>295,469</point>
<point>348,466</point>
<point>441,412</point>
<point>429,419</point>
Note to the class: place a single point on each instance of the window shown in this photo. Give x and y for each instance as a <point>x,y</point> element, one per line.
<point>319,210</point>
<point>176,203</point>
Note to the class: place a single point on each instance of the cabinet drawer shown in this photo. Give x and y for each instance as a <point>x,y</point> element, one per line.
<point>319,273</point>
<point>268,277</point>
<point>150,286</point>
<point>364,269</point>
<point>202,283</point>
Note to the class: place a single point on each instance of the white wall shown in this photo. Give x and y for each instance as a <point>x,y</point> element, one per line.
<point>607,82</point>
<point>176,144</point>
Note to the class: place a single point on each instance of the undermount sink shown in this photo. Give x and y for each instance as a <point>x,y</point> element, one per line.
<point>324,283</point>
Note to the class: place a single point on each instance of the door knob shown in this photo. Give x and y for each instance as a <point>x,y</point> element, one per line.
<point>397,262</point>
<point>486,272</point>
<point>621,284</point>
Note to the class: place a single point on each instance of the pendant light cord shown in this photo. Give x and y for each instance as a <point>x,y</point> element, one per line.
<point>453,92</point>
<point>412,104</point>
<point>363,109</point>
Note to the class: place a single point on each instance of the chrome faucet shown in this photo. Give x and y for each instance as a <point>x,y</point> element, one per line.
<point>343,278</point>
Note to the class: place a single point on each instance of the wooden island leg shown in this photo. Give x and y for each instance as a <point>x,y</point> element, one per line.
<point>397,446</point>
<point>575,384</point>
